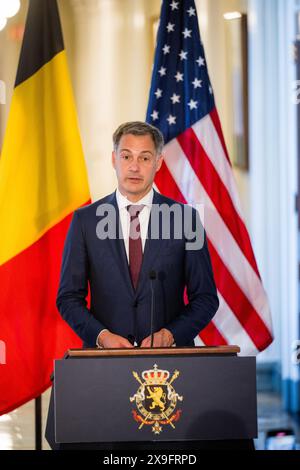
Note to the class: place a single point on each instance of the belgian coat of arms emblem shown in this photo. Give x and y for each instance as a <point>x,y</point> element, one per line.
<point>156,399</point>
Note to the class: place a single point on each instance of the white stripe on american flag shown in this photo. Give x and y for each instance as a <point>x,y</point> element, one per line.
<point>198,341</point>
<point>217,231</point>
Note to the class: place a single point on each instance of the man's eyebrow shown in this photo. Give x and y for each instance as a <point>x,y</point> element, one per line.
<point>143,151</point>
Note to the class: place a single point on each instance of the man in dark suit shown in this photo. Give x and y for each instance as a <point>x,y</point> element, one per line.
<point>110,248</point>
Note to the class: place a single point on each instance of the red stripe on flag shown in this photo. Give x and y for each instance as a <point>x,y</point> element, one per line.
<point>30,325</point>
<point>217,192</point>
<point>167,185</point>
<point>217,123</point>
<point>211,336</point>
<point>239,303</point>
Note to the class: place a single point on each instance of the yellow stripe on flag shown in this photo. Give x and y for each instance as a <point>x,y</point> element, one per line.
<point>42,171</point>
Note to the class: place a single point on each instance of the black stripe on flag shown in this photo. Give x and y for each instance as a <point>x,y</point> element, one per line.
<point>42,38</point>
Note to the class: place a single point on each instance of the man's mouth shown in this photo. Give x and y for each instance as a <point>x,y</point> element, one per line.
<point>134,179</point>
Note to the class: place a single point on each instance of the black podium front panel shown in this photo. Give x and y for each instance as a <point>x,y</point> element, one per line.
<point>121,399</point>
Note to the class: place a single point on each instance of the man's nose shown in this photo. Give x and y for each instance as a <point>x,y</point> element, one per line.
<point>134,166</point>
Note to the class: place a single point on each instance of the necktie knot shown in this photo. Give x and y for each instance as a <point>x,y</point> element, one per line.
<point>135,210</point>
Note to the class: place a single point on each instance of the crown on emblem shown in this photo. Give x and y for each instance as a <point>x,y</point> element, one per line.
<point>155,376</point>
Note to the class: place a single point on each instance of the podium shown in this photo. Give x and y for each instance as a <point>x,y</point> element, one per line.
<point>139,397</point>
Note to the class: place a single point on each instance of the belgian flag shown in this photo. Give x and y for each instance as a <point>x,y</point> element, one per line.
<point>43,179</point>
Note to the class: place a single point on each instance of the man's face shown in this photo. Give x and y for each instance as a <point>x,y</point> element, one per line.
<point>136,164</point>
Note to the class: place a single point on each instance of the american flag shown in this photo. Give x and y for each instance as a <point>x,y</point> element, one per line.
<point>197,168</point>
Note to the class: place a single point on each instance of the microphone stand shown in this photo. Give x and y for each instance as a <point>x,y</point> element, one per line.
<point>152,277</point>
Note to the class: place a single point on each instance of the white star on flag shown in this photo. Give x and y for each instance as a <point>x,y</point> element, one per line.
<point>179,77</point>
<point>174,5</point>
<point>166,49</point>
<point>192,104</point>
<point>197,83</point>
<point>158,93</point>
<point>187,33</point>
<point>171,119</point>
<point>170,27</point>
<point>154,115</point>
<point>183,55</point>
<point>175,98</point>
<point>191,11</point>
<point>162,71</point>
<point>200,61</point>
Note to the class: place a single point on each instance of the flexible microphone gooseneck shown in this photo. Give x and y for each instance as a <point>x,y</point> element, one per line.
<point>152,277</point>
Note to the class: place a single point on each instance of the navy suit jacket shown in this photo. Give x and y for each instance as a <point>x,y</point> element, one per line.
<point>102,265</point>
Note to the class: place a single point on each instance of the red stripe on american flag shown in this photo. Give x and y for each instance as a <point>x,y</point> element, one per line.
<point>217,192</point>
<point>211,336</point>
<point>217,123</point>
<point>239,303</point>
<point>167,185</point>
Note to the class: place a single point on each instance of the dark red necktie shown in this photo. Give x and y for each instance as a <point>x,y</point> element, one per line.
<point>135,243</point>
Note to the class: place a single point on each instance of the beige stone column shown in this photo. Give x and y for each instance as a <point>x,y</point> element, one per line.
<point>110,51</point>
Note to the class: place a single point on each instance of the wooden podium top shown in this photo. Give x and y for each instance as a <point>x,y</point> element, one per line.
<point>208,350</point>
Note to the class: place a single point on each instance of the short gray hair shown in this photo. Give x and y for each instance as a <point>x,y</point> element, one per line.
<point>139,128</point>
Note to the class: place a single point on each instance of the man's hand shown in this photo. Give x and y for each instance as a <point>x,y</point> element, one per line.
<point>109,340</point>
<point>161,339</point>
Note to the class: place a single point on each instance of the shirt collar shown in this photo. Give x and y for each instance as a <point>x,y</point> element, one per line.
<point>123,202</point>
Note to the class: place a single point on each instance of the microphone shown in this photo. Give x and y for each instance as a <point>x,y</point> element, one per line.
<point>152,277</point>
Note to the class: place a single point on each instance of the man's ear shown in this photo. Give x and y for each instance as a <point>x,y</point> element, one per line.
<point>113,159</point>
<point>159,162</point>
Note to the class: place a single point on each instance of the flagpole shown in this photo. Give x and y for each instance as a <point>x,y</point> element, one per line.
<point>38,423</point>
